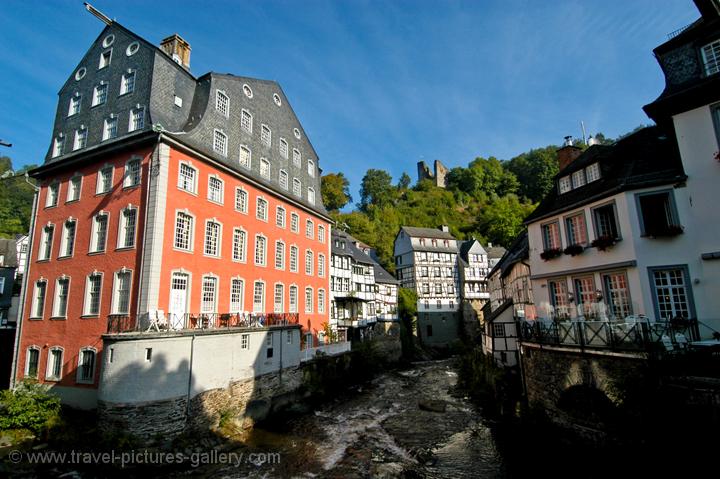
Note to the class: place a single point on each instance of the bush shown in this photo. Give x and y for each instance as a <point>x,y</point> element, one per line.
<point>30,406</point>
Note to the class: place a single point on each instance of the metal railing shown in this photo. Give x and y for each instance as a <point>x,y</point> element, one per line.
<point>639,334</point>
<point>158,322</point>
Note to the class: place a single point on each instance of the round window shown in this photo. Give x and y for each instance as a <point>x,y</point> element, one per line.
<point>108,40</point>
<point>277,99</point>
<point>247,90</point>
<point>80,73</point>
<point>297,133</point>
<point>132,48</point>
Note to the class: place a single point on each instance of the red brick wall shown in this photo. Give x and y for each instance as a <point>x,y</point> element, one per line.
<point>197,264</point>
<point>76,332</point>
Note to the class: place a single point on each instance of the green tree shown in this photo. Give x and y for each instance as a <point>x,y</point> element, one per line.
<point>16,198</point>
<point>376,188</point>
<point>404,181</point>
<point>535,171</point>
<point>502,219</point>
<point>335,189</point>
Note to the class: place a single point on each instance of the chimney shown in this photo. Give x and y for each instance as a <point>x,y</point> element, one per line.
<point>445,228</point>
<point>177,49</point>
<point>568,153</point>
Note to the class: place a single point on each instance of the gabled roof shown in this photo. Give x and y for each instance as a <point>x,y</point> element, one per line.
<point>416,232</point>
<point>383,276</point>
<point>350,249</point>
<point>495,252</point>
<point>648,157</point>
<point>518,251</point>
<point>466,246</point>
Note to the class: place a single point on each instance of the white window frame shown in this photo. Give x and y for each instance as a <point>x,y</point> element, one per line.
<point>129,180</point>
<point>321,233</point>
<point>260,261</point>
<point>216,289</point>
<point>311,195</point>
<point>122,228</point>
<point>321,265</point>
<point>279,255</point>
<point>72,189</point>
<point>75,101</point>
<point>283,179</point>
<point>220,142</point>
<point>180,183</point>
<point>222,103</point>
<point>27,361</point>
<point>126,84</point>
<point>52,196</point>
<point>265,168</point>
<point>294,264</point>
<point>258,211</point>
<point>284,148</point>
<point>79,379</point>
<point>309,299</point>
<point>297,158</point>
<point>49,369</point>
<point>242,256</point>
<point>309,262</point>
<point>248,157</point>
<point>221,190</point>
<point>94,232</point>
<point>295,222</point>
<point>246,126</point>
<point>105,59</point>
<point>136,119</point>
<point>297,187</point>
<point>35,303</point>
<point>110,128</point>
<point>65,241</point>
<point>58,145</point>
<point>259,307</point>
<point>239,191</point>
<point>102,86</point>
<point>311,168</point>
<point>99,182</point>
<point>279,306</point>
<point>115,301</point>
<point>309,229</point>
<point>237,306</point>
<point>280,217</point>
<point>293,298</point>
<point>321,301</point>
<point>46,242</point>
<point>56,313</point>
<point>87,300</point>
<point>80,139</point>
<point>265,135</point>
<point>218,240</point>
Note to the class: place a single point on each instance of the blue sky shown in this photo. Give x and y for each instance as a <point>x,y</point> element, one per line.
<point>376,84</point>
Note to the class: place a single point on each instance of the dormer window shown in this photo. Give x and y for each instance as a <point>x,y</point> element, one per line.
<point>311,168</point>
<point>127,85</point>
<point>266,135</point>
<point>297,187</point>
<point>283,179</point>
<point>246,121</point>
<point>100,94</point>
<point>137,119</point>
<point>80,138</point>
<point>578,179</point>
<point>564,184</point>
<point>283,148</point>
<point>592,172</point>
<point>58,146</point>
<point>311,196</point>
<point>711,57</point>
<point>222,103</point>
<point>245,157</point>
<point>296,157</point>
<point>74,105</point>
<point>105,59</point>
<point>220,142</point>
<point>264,168</point>
<point>110,128</point>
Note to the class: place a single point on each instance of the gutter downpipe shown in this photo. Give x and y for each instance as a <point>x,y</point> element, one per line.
<point>23,296</point>
<point>190,373</point>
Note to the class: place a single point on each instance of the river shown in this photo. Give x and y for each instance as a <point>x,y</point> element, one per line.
<point>408,423</point>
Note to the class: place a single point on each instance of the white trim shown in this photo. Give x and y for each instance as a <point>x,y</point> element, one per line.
<point>284,252</point>
<point>219,94</point>
<point>27,361</point>
<point>79,364</point>
<point>48,368</point>
<point>247,199</point>
<point>64,238</point>
<point>216,291</point>
<point>243,250</point>
<point>94,231</point>
<point>78,189</point>
<point>248,163</point>
<point>241,306</point>
<point>255,250</point>
<point>259,199</point>
<point>191,236</point>
<point>98,180</point>
<point>309,306</point>
<point>218,245</point>
<point>115,293</point>
<point>211,177</point>
<point>102,63</point>
<point>121,227</point>
<point>126,174</point>
<point>242,126</point>
<point>220,134</point>
<point>282,297</point>
<point>86,298</point>
<point>264,296</point>
<point>34,302</point>
<point>182,163</point>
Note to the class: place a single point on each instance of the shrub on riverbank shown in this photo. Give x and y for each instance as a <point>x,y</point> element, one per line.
<point>487,383</point>
<point>29,406</point>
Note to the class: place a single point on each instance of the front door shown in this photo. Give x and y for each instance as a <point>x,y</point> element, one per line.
<point>178,300</point>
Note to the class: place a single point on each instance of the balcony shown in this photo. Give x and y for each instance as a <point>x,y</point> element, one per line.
<point>629,334</point>
<point>157,321</point>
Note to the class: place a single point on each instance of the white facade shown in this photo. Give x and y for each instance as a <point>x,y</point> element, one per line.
<point>474,271</point>
<point>386,301</point>
<point>430,267</point>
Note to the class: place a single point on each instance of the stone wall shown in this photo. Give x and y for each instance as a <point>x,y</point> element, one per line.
<point>582,390</point>
<point>386,339</point>
<point>156,419</point>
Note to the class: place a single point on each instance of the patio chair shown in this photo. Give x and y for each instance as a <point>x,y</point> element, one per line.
<point>668,344</point>
<point>682,341</point>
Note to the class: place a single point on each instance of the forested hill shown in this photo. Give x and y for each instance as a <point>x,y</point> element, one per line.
<point>487,200</point>
<point>16,197</point>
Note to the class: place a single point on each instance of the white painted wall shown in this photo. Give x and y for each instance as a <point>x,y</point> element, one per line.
<point>184,364</point>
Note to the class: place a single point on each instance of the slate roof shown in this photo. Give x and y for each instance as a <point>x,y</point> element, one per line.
<point>495,252</point>
<point>648,157</point>
<point>350,249</point>
<point>8,248</point>
<point>416,232</point>
<point>383,276</point>
<point>518,251</point>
